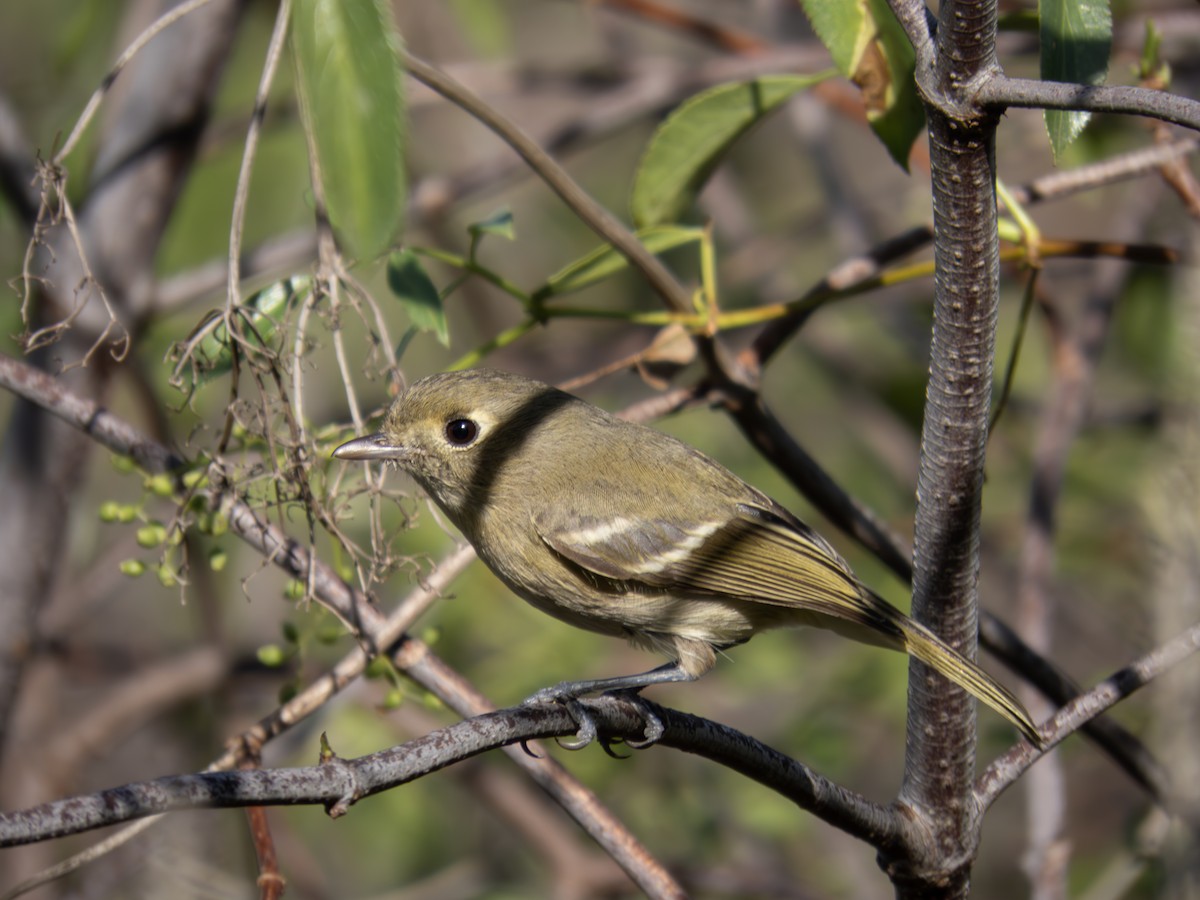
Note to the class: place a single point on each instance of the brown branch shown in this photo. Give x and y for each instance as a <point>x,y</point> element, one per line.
<point>723,37</point>
<point>940,759</point>
<point>338,784</point>
<point>589,211</point>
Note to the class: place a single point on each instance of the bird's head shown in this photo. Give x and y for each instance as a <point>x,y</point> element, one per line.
<point>452,432</point>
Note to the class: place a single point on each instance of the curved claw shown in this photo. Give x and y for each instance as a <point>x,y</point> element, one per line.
<point>587,724</point>
<point>588,732</point>
<point>607,745</point>
<point>654,729</point>
<point>528,752</point>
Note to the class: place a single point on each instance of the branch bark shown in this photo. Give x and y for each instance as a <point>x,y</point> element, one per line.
<point>940,762</point>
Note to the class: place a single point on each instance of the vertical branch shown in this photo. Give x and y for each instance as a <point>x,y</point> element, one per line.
<point>941,727</point>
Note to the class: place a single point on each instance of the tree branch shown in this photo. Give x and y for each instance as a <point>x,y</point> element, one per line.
<point>1000,92</point>
<point>940,762</point>
<point>352,607</point>
<point>592,213</point>
<point>1002,773</point>
<point>338,784</point>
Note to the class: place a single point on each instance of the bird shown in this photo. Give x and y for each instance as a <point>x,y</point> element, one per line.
<point>620,529</point>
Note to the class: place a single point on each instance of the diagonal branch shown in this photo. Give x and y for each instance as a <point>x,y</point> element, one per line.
<point>351,606</point>
<point>1002,773</point>
<point>592,213</point>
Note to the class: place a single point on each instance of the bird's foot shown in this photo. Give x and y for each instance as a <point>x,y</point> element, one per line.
<point>654,728</point>
<point>568,693</point>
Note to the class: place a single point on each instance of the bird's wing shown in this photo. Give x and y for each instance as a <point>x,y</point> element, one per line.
<point>764,555</point>
<point>757,555</point>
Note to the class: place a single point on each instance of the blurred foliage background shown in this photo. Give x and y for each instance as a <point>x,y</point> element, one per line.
<point>806,189</point>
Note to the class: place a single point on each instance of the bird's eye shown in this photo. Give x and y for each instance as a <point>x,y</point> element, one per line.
<point>461,432</point>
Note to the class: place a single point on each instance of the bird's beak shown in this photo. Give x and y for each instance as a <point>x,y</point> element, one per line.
<point>373,447</point>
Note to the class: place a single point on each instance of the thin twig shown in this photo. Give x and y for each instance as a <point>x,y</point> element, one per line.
<point>1005,770</point>
<point>592,213</point>
<point>89,111</point>
<point>249,151</point>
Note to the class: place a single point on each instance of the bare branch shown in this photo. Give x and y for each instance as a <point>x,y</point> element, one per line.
<point>350,605</point>
<point>1000,92</point>
<point>249,150</point>
<point>89,111</point>
<point>1002,773</point>
<point>592,213</point>
<point>341,783</point>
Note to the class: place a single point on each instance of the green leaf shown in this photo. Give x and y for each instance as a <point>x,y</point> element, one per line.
<point>686,148</point>
<point>604,261</point>
<point>351,85</point>
<point>1076,37</point>
<point>871,49</point>
<point>499,223</point>
<point>262,314</point>
<point>416,292</point>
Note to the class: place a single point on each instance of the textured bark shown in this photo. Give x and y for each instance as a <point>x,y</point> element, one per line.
<point>940,762</point>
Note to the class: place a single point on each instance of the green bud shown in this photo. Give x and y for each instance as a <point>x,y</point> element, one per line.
<point>271,655</point>
<point>151,535</point>
<point>378,667</point>
<point>127,513</point>
<point>220,525</point>
<point>132,567</point>
<point>392,699</point>
<point>195,479</point>
<point>166,576</point>
<point>291,633</point>
<point>123,464</point>
<point>294,590</point>
<point>330,634</point>
<point>161,485</point>
<point>431,635</point>
<point>217,558</point>
<point>110,511</point>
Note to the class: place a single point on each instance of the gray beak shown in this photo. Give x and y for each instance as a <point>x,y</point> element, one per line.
<point>373,447</point>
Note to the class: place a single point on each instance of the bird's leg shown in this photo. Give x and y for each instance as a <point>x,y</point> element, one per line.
<point>568,693</point>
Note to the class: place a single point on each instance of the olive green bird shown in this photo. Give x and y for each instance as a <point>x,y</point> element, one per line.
<point>620,529</point>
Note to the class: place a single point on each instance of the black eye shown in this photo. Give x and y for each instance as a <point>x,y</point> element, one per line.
<point>461,431</point>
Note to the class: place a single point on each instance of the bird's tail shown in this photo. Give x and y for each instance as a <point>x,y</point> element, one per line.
<point>922,644</point>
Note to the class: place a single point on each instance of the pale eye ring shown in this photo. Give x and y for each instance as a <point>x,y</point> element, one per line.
<point>461,432</point>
